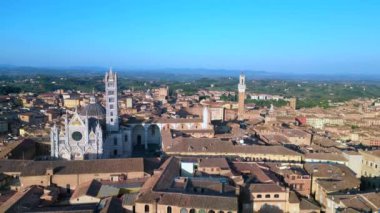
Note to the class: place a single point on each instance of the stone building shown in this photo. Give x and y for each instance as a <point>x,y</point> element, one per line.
<point>370,169</point>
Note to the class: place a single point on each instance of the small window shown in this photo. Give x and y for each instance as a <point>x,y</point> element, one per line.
<point>267,196</point>
<point>126,138</point>
<point>259,196</point>
<point>111,106</point>
<point>115,152</point>
<point>146,208</point>
<point>276,196</point>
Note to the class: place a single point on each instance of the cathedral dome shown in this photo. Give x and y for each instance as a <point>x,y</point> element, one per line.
<point>93,109</point>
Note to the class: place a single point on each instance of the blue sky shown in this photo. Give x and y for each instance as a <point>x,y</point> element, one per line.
<point>274,35</point>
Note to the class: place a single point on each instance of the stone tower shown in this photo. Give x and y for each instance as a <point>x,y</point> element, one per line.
<point>293,103</point>
<point>241,89</point>
<point>112,116</point>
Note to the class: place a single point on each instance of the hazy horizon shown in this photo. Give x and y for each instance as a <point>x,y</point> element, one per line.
<point>296,36</point>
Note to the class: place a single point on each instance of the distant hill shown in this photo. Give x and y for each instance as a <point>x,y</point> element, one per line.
<point>183,74</point>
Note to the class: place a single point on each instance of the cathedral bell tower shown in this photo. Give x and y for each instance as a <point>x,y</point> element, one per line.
<point>112,115</point>
<point>241,89</point>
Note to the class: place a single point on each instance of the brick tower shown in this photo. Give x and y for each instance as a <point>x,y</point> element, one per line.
<point>241,89</point>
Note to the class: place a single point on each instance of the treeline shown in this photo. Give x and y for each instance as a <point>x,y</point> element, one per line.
<point>5,90</point>
<point>267,103</point>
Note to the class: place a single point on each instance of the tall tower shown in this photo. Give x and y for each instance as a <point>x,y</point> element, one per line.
<point>293,103</point>
<point>112,115</point>
<point>241,89</point>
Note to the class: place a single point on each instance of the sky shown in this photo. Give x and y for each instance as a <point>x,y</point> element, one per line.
<point>297,36</point>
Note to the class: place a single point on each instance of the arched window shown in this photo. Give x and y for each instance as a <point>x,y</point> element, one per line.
<point>202,211</point>
<point>221,211</point>
<point>169,209</point>
<point>259,196</point>
<point>192,211</point>
<point>146,208</point>
<point>267,196</point>
<point>276,196</point>
<point>211,211</point>
<point>183,210</point>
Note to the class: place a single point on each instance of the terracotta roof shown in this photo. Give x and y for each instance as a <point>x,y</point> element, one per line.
<point>326,170</point>
<point>156,189</point>
<point>90,188</point>
<point>82,208</point>
<point>214,162</point>
<point>121,165</point>
<point>308,205</point>
<point>178,120</point>
<point>333,185</point>
<point>206,145</point>
<point>254,169</point>
<point>197,131</point>
<point>333,177</point>
<point>374,153</point>
<point>272,187</point>
<point>293,198</point>
<point>326,156</point>
<point>13,165</point>
<point>200,201</point>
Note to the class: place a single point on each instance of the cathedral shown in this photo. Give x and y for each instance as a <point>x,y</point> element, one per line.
<point>94,131</point>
